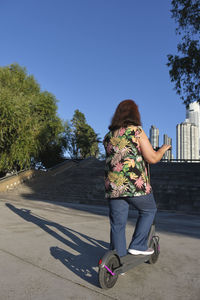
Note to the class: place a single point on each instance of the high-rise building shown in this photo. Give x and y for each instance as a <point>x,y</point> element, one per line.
<point>193,116</point>
<point>168,141</point>
<point>187,137</point>
<point>193,113</point>
<point>154,137</point>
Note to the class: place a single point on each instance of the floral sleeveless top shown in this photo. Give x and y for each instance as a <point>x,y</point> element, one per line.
<point>126,173</point>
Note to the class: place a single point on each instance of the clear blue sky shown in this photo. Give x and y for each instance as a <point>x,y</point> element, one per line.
<point>91,54</point>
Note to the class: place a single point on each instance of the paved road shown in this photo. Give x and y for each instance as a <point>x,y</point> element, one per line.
<point>49,251</point>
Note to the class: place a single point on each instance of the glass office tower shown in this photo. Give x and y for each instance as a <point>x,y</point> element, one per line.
<point>154,136</point>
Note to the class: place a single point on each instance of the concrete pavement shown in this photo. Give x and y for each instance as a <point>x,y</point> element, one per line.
<point>50,251</point>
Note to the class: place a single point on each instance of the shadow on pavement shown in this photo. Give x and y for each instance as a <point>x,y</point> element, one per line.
<point>171,222</point>
<point>89,249</point>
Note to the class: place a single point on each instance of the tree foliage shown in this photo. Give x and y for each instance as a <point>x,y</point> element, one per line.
<point>185,67</point>
<point>30,130</point>
<point>29,124</point>
<point>82,141</point>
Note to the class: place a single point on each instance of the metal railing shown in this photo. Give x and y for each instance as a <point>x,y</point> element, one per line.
<point>181,160</point>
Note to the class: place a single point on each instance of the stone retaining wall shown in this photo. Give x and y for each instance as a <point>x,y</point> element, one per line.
<point>176,186</point>
<point>12,181</point>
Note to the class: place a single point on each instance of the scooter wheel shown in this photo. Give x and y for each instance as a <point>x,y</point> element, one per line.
<point>154,244</point>
<point>106,279</point>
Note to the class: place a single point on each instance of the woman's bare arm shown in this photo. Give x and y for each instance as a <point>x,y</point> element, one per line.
<point>149,154</point>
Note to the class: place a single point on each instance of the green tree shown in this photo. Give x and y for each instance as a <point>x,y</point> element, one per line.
<point>184,69</point>
<point>28,119</point>
<point>82,140</point>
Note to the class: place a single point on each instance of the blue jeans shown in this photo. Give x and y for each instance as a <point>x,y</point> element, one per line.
<point>118,213</point>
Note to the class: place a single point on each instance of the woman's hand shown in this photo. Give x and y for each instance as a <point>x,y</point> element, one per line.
<point>166,147</point>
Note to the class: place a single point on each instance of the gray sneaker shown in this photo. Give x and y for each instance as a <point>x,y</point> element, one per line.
<point>138,252</point>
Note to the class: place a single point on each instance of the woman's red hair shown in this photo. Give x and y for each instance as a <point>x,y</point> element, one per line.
<point>126,114</point>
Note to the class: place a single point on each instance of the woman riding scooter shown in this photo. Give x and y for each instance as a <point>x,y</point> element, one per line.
<point>128,153</point>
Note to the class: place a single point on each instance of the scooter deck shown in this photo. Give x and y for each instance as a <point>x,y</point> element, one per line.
<point>129,261</point>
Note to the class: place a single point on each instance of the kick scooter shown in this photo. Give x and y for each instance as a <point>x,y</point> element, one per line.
<point>111,264</point>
